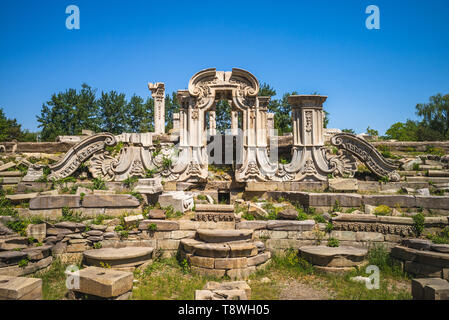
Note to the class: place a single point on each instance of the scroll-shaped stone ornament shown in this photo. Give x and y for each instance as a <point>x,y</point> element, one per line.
<point>79,153</point>
<point>366,153</point>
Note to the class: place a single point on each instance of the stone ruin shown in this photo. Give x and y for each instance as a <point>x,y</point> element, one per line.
<point>209,233</point>
<point>187,151</point>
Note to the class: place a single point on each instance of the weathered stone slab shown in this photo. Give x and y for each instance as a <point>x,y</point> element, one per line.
<point>7,166</point>
<point>19,288</point>
<point>422,270</point>
<point>443,248</point>
<point>340,184</point>
<point>118,258</point>
<point>288,214</point>
<point>436,291</point>
<point>334,256</point>
<point>214,236</point>
<point>291,225</point>
<point>432,258</point>
<point>103,282</point>
<point>230,263</point>
<point>38,253</point>
<point>258,259</point>
<point>37,231</point>
<point>55,202</point>
<point>418,244</point>
<point>253,225</point>
<point>133,221</point>
<point>329,199</point>
<point>418,286</point>
<point>161,225</point>
<point>73,226</point>
<point>31,267</point>
<point>213,250</point>
<point>214,208</point>
<point>217,273</point>
<point>9,258</point>
<point>432,202</point>
<point>16,198</point>
<point>403,201</point>
<point>156,214</point>
<point>110,201</point>
<point>242,249</point>
<point>203,262</point>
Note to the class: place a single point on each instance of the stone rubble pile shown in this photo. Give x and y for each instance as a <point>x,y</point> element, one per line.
<point>235,290</point>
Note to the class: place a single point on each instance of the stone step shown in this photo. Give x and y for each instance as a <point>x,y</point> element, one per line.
<point>214,208</point>
<point>336,257</point>
<point>118,258</point>
<point>218,236</point>
<point>225,250</point>
<point>438,173</point>
<point>430,167</point>
<point>428,179</point>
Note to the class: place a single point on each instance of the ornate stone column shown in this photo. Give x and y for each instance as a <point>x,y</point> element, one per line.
<point>158,94</point>
<point>309,160</point>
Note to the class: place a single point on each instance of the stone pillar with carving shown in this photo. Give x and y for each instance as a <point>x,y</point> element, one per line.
<point>158,94</point>
<point>270,124</point>
<point>309,162</point>
<point>212,123</point>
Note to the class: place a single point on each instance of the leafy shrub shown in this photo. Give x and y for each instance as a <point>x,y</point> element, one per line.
<point>98,184</point>
<point>98,245</point>
<point>23,263</point>
<point>302,216</point>
<point>319,218</point>
<point>382,210</point>
<point>418,224</point>
<point>71,215</point>
<point>130,182</point>
<point>332,242</point>
<point>329,227</point>
<point>152,227</point>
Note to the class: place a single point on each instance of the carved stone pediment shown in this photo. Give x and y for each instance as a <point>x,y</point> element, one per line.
<point>366,153</point>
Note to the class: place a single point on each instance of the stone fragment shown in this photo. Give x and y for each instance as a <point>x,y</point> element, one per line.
<point>55,202</point>
<point>253,224</point>
<point>259,259</point>
<point>418,244</point>
<point>73,226</point>
<point>101,282</point>
<point>443,248</point>
<point>203,262</point>
<point>179,200</point>
<point>133,221</point>
<point>161,225</point>
<point>288,214</point>
<point>341,184</point>
<point>334,256</point>
<point>8,258</point>
<point>230,263</point>
<point>290,225</point>
<point>418,287</point>
<point>156,214</point>
<point>213,250</point>
<point>110,201</point>
<point>20,288</point>
<point>118,257</point>
<point>37,231</point>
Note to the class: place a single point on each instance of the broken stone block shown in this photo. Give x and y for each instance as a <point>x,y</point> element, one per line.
<point>118,257</point>
<point>418,288</point>
<point>156,214</point>
<point>37,231</point>
<point>341,184</point>
<point>55,202</point>
<point>216,235</point>
<point>288,214</point>
<point>110,201</point>
<point>20,288</point>
<point>101,282</point>
<point>178,200</point>
<point>9,258</point>
<point>133,221</point>
<point>161,225</point>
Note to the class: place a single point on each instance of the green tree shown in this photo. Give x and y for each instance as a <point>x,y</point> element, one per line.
<point>435,117</point>
<point>171,106</point>
<point>140,114</point>
<point>68,113</point>
<point>351,131</point>
<point>113,111</point>
<point>372,132</point>
<point>9,128</point>
<point>403,131</point>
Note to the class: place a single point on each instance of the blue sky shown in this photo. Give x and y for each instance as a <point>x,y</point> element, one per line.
<point>372,77</point>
